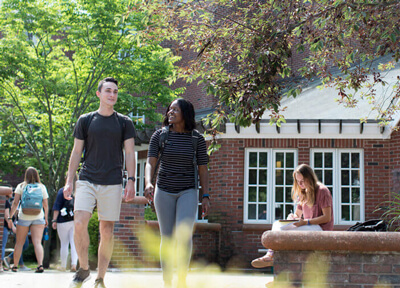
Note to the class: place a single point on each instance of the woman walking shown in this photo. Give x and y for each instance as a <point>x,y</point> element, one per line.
<point>30,217</point>
<point>181,151</point>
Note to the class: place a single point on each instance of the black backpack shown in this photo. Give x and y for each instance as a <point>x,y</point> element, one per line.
<point>376,225</point>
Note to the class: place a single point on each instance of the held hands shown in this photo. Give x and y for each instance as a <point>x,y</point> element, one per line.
<point>149,192</point>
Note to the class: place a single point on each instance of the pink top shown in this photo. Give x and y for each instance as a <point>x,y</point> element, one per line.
<point>323,199</point>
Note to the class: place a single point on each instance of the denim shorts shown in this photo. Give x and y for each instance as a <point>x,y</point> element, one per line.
<point>28,223</point>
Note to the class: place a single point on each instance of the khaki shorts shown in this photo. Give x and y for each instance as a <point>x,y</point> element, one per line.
<point>108,199</point>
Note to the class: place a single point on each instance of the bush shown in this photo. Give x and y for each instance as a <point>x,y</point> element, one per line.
<point>93,229</point>
<point>149,214</point>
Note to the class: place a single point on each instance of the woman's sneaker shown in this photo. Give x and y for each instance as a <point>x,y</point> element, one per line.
<point>80,277</point>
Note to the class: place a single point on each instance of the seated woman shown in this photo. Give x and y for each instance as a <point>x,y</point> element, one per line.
<point>313,212</point>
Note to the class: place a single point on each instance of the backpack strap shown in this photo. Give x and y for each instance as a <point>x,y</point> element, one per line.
<point>161,145</point>
<point>87,120</point>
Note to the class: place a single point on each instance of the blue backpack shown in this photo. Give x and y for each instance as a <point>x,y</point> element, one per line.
<point>32,199</point>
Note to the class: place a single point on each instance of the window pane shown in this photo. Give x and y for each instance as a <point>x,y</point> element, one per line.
<point>345,195</point>
<point>328,160</point>
<point>263,159</point>
<point>288,194</point>
<point>345,213</point>
<point>345,160</point>
<point>328,179</point>
<point>252,176</point>
<point>289,160</point>
<point>356,213</point>
<point>252,211</point>
<point>345,177</point>
<point>319,175</point>
<point>138,170</point>
<point>252,194</point>
<point>355,160</point>
<point>289,209</point>
<point>137,185</point>
<point>262,176</point>
<point>278,194</point>
<point>262,211</point>
<point>262,194</point>
<point>355,195</point>
<point>355,177</point>
<point>279,211</point>
<point>253,159</point>
<point>289,177</point>
<point>318,160</point>
<point>279,160</point>
<point>279,177</point>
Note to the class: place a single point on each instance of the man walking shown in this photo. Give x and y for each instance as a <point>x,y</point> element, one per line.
<point>101,135</point>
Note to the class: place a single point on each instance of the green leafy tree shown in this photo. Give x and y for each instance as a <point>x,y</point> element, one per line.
<point>52,56</point>
<point>244,49</point>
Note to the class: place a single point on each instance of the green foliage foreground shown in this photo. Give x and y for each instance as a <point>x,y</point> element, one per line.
<point>52,56</point>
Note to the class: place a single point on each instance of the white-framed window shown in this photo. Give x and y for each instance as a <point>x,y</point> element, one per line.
<point>140,166</point>
<point>268,184</point>
<point>342,171</point>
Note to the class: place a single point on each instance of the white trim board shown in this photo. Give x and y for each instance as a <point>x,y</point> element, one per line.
<point>309,131</point>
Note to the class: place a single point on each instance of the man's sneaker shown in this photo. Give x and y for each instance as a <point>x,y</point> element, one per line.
<point>99,283</point>
<point>80,277</point>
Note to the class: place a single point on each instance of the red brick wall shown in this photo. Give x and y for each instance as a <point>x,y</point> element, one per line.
<point>240,243</point>
<point>344,269</point>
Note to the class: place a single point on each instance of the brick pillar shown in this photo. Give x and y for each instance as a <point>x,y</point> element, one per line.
<point>128,233</point>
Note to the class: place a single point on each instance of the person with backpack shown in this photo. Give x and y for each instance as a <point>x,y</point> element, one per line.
<point>101,136</point>
<point>63,222</point>
<point>32,215</point>
<point>181,152</point>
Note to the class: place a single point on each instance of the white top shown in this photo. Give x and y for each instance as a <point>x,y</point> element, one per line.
<point>19,190</point>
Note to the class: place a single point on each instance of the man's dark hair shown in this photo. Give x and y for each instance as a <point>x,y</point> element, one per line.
<point>188,114</point>
<point>108,79</point>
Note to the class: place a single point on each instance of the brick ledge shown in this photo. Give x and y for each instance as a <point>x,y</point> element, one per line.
<point>332,241</point>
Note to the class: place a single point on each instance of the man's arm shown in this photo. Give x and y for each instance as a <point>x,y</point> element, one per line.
<point>130,162</point>
<point>4,190</point>
<point>74,160</point>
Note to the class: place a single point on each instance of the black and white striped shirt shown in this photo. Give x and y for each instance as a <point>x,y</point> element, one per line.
<point>176,172</point>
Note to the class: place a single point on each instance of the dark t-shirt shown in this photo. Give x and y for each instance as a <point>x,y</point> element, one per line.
<point>176,172</point>
<point>103,150</point>
<point>61,203</point>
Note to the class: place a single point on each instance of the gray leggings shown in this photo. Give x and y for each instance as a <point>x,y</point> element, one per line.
<point>174,209</point>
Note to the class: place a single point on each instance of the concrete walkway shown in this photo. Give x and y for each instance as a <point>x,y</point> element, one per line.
<point>134,279</point>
